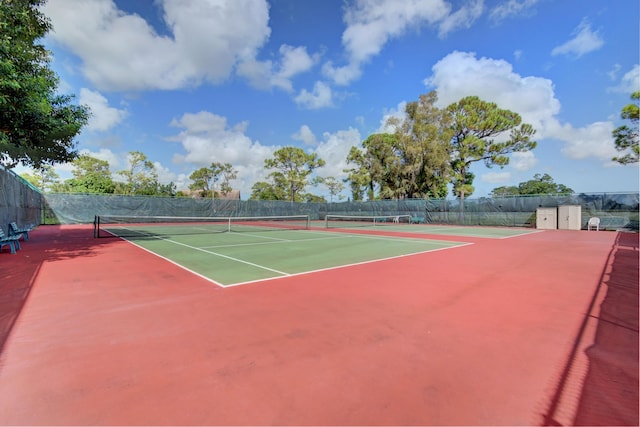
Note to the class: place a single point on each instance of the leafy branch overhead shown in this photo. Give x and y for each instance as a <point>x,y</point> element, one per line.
<point>37,125</point>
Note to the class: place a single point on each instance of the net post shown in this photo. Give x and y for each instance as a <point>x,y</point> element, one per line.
<point>229,224</point>
<point>96,226</point>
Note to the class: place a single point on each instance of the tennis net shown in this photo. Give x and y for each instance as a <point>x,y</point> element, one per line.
<point>166,226</point>
<point>347,221</point>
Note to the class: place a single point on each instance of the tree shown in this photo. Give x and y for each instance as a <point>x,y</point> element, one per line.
<point>293,169</point>
<point>205,179</point>
<point>202,182</point>
<point>359,177</point>
<point>169,189</point>
<point>411,162</point>
<point>141,176</point>
<point>45,178</point>
<point>37,125</point>
<point>90,175</point>
<point>626,138</point>
<point>262,190</point>
<point>540,184</point>
<point>475,124</point>
<point>543,184</point>
<point>228,174</point>
<point>334,186</point>
<point>505,191</point>
<point>422,142</point>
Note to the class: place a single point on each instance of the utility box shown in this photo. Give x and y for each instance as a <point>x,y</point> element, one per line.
<point>570,217</point>
<point>547,218</point>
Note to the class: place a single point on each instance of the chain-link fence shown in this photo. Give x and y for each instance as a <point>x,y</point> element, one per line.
<point>514,211</point>
<point>19,200</point>
<point>23,203</point>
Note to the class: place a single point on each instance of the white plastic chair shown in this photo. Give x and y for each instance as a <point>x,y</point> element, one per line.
<point>594,222</point>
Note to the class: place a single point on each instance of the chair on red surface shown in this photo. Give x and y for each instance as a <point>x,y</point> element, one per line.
<point>14,230</point>
<point>12,241</point>
<point>594,222</point>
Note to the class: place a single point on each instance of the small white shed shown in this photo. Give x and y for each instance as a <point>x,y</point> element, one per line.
<point>547,218</point>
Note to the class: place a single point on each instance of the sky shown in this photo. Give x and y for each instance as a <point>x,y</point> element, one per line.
<point>191,82</point>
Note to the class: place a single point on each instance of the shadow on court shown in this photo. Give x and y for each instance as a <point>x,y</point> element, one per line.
<point>20,270</point>
<point>609,393</point>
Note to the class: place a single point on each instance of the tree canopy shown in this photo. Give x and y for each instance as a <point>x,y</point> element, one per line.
<point>479,129</point>
<point>140,177</point>
<point>540,184</point>
<point>432,148</point>
<point>90,175</point>
<point>626,138</point>
<point>37,125</point>
<point>293,168</point>
<point>205,179</point>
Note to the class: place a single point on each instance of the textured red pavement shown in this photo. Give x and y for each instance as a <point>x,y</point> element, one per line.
<point>537,329</point>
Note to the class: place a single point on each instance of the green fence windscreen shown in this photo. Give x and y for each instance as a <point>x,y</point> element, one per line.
<point>504,211</point>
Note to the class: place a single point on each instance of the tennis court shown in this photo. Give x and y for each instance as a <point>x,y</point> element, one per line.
<point>233,251</point>
<point>538,329</point>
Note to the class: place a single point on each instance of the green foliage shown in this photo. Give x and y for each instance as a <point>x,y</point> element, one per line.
<point>262,190</point>
<point>540,184</point>
<point>140,178</point>
<point>505,191</point>
<point>293,168</point>
<point>37,125</point>
<point>205,179</point>
<point>335,187</point>
<point>45,178</point>
<point>90,175</point>
<point>626,138</point>
<point>360,177</point>
<point>475,125</point>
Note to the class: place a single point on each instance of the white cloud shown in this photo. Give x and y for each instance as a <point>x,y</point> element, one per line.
<point>585,41</point>
<point>511,8</point>
<point>523,161</point>
<point>398,113</point>
<point>114,160</point>
<point>267,74</point>
<point>334,150</point>
<point>594,140</point>
<point>461,74</point>
<point>122,51</point>
<point>320,97</point>
<point>462,18</point>
<point>371,24</point>
<point>306,136</point>
<point>207,138</point>
<point>496,177</point>
<point>630,81</point>
<point>102,117</point>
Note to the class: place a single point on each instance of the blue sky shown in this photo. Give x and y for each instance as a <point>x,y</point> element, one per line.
<point>192,82</point>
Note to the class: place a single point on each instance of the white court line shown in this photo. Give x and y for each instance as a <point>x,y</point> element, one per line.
<point>278,241</point>
<point>220,255</point>
<point>284,274</point>
<point>346,265</point>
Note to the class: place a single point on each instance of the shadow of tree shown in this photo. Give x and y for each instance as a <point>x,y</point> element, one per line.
<point>609,394</point>
<point>46,243</point>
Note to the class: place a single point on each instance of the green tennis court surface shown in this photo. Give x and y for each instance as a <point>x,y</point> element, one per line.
<point>233,258</point>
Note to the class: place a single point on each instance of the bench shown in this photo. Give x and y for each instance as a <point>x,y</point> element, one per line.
<point>14,230</point>
<point>416,220</point>
<point>12,241</point>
